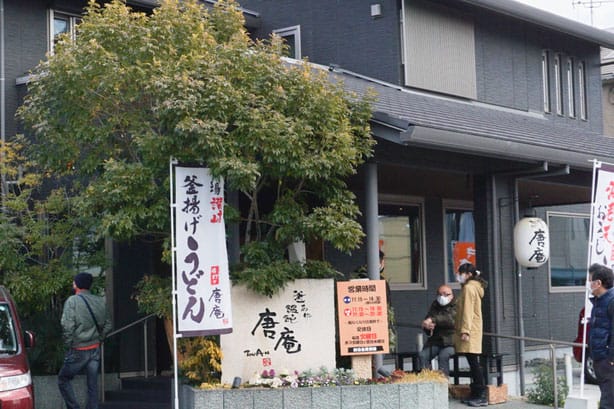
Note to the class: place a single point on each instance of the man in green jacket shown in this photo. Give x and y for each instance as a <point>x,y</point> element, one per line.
<point>85,323</point>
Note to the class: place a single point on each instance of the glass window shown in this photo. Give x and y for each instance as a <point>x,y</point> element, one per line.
<point>568,249</point>
<point>292,38</point>
<point>558,91</point>
<point>546,81</point>
<point>582,89</point>
<point>8,338</point>
<point>61,23</point>
<point>401,240</point>
<point>571,89</point>
<point>459,236</point>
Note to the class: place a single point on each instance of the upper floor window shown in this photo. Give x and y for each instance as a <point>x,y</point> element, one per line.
<point>564,78</point>
<point>401,238</point>
<point>438,48</point>
<point>546,80</point>
<point>459,237</point>
<point>568,249</point>
<point>558,85</point>
<point>571,88</point>
<point>61,23</point>
<point>292,38</point>
<point>582,89</point>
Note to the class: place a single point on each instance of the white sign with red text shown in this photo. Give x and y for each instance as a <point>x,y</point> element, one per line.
<point>201,269</point>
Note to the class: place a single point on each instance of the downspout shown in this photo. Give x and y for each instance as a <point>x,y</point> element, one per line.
<point>371,211</point>
<point>2,105</point>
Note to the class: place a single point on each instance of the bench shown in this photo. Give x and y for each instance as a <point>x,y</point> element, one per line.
<point>492,364</point>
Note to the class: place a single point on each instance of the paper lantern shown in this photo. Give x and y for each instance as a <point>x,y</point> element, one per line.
<point>531,242</point>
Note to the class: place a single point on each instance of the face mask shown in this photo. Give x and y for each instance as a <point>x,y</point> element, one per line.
<point>461,278</point>
<point>443,301</point>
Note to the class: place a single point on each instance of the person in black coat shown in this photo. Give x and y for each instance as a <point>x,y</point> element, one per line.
<point>439,327</point>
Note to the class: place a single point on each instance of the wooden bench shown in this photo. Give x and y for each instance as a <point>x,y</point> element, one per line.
<point>492,364</point>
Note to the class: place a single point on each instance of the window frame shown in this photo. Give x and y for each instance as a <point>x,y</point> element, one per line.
<point>546,81</point>
<point>571,87</point>
<point>73,21</point>
<point>563,289</point>
<point>292,31</point>
<point>403,200</point>
<point>581,67</point>
<point>450,204</point>
<point>558,84</point>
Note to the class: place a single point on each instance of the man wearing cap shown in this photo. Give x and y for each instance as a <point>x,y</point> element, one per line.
<point>85,323</point>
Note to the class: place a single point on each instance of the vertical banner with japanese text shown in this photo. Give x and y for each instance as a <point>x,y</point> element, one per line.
<point>602,217</point>
<point>201,260</point>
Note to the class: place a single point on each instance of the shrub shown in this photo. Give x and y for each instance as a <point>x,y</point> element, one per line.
<point>543,391</point>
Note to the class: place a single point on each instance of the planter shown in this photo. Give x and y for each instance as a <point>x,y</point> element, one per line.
<point>428,395</point>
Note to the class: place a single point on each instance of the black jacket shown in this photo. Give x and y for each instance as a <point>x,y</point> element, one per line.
<point>443,317</point>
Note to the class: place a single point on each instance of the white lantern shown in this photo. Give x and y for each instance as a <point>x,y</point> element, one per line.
<point>531,242</point>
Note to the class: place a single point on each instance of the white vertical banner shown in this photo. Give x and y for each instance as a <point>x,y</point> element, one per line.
<point>201,260</point>
<point>602,217</point>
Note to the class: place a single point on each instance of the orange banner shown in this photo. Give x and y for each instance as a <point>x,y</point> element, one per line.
<point>363,317</point>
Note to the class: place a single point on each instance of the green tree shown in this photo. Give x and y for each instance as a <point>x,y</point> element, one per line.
<point>108,110</point>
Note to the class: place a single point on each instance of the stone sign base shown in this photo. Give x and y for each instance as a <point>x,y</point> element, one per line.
<point>431,395</point>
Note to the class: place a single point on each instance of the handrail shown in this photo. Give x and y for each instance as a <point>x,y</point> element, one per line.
<point>142,320</point>
<point>130,325</point>
<point>549,342</point>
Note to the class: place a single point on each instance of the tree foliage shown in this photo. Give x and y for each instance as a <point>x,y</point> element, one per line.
<point>108,110</point>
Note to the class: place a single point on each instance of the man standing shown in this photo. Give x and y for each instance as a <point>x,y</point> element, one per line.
<point>439,326</point>
<point>85,323</point>
<point>602,331</point>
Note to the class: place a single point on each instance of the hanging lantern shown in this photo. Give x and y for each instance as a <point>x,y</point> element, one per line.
<point>531,242</point>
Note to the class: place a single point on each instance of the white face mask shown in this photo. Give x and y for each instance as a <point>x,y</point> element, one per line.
<point>461,278</point>
<point>443,301</point>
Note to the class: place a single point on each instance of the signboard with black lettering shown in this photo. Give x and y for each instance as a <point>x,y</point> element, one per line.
<point>363,317</point>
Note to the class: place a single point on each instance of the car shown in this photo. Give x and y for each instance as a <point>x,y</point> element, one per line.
<point>589,369</point>
<point>16,389</point>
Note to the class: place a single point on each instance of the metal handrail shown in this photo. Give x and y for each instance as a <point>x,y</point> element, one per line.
<point>142,320</point>
<point>549,342</point>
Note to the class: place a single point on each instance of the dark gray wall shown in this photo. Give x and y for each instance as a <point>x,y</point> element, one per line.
<point>25,46</point>
<point>339,32</point>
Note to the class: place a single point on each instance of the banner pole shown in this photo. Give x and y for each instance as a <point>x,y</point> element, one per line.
<point>174,285</point>
<point>596,164</point>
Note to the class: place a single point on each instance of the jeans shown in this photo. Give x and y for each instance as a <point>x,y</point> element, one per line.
<point>443,355</point>
<point>77,361</point>
<point>605,379</point>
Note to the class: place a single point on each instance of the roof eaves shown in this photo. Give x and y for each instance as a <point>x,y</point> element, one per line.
<point>543,18</point>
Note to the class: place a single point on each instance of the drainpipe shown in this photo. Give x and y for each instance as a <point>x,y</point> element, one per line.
<point>2,103</point>
<point>372,228</point>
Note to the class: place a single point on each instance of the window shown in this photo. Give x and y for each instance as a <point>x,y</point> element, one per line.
<point>546,80</point>
<point>401,239</point>
<point>438,48</point>
<point>571,89</point>
<point>558,86</point>
<point>459,237</point>
<point>582,89</point>
<point>61,23</point>
<point>568,249</point>
<point>292,38</point>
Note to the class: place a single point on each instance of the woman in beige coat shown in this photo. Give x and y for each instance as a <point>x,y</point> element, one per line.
<point>468,329</point>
